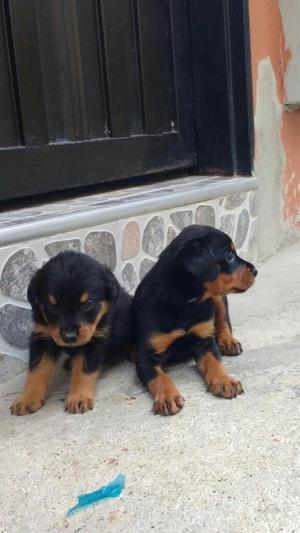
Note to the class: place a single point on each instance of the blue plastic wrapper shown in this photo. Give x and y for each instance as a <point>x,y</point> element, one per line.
<point>111,490</point>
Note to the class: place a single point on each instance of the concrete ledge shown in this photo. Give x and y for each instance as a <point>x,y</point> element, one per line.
<point>69,215</point>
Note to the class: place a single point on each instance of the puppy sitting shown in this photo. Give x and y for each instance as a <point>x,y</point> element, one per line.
<point>78,308</point>
<point>180,312</point>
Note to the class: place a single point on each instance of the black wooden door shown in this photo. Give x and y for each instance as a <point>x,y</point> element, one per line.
<point>92,91</point>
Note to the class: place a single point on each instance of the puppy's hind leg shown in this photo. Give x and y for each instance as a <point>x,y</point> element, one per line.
<point>167,400</point>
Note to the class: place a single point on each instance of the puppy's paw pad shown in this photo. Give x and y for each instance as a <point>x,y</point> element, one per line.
<point>168,404</point>
<point>76,405</point>
<point>226,387</point>
<point>26,405</point>
<point>229,345</point>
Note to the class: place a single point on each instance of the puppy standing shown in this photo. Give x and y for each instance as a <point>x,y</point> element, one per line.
<point>79,308</point>
<point>180,312</point>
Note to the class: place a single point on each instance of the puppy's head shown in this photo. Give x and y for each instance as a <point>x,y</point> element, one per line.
<point>69,296</point>
<point>208,258</point>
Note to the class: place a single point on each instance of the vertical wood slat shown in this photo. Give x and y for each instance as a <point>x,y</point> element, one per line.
<point>239,66</point>
<point>55,70</point>
<point>9,123</point>
<point>92,69</point>
<point>28,70</point>
<point>211,87</point>
<point>120,61</point>
<point>182,67</point>
<point>75,69</point>
<point>155,34</point>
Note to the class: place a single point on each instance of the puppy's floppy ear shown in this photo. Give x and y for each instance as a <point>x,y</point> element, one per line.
<point>33,289</point>
<point>112,286</point>
<point>196,258</point>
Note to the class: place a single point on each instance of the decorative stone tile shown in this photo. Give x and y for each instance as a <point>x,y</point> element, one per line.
<point>252,242</point>
<point>242,228</point>
<point>145,266</point>
<point>227,224</point>
<point>17,273</point>
<point>205,214</point>
<point>10,367</point>
<point>129,278</point>
<point>170,235</point>
<point>235,200</point>
<point>253,204</point>
<point>181,219</point>
<point>102,247</point>
<point>54,248</point>
<point>153,238</point>
<point>130,240</point>
<point>15,325</point>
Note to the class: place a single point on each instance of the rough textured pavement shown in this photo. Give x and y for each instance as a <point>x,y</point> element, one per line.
<point>218,466</point>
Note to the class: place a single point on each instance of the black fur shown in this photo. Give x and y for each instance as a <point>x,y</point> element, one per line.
<point>173,296</point>
<point>66,277</point>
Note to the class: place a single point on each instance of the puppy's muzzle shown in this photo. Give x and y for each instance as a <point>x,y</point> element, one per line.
<point>69,336</point>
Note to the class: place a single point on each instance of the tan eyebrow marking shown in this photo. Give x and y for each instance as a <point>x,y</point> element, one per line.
<point>84,298</point>
<point>52,300</point>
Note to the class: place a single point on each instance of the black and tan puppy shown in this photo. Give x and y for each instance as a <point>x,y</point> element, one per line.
<point>180,312</point>
<point>78,308</point>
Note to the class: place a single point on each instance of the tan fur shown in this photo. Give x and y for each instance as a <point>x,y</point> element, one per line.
<point>241,279</point>
<point>216,377</point>
<point>86,331</point>
<point>203,329</point>
<point>167,398</point>
<point>81,393</point>
<point>37,382</point>
<point>160,342</point>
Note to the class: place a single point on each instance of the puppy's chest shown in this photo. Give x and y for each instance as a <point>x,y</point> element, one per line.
<point>190,317</point>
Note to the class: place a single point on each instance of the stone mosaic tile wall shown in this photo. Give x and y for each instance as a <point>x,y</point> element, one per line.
<point>129,247</point>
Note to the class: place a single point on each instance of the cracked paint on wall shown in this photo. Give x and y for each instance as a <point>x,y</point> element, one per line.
<point>280,175</point>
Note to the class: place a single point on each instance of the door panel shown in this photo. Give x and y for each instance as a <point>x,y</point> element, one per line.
<point>102,91</point>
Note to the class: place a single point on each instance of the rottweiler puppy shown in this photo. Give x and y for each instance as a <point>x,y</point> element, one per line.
<point>180,312</point>
<point>78,308</point>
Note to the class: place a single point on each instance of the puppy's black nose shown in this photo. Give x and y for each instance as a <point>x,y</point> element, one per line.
<point>254,271</point>
<point>68,335</point>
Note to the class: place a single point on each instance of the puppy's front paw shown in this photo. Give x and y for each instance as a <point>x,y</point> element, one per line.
<point>78,404</point>
<point>26,404</point>
<point>168,404</point>
<point>225,386</point>
<point>228,344</point>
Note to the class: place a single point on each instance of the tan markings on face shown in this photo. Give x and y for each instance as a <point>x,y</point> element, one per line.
<point>86,331</point>
<point>41,329</point>
<point>232,247</point>
<point>216,377</point>
<point>81,394</point>
<point>52,299</point>
<point>84,298</point>
<point>160,342</point>
<point>241,279</point>
<point>36,387</point>
<point>102,333</point>
<point>167,398</point>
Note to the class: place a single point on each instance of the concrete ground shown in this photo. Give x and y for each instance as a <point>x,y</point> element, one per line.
<point>218,466</point>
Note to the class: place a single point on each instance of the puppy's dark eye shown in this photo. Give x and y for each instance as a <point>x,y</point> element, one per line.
<point>230,255</point>
<point>89,305</point>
